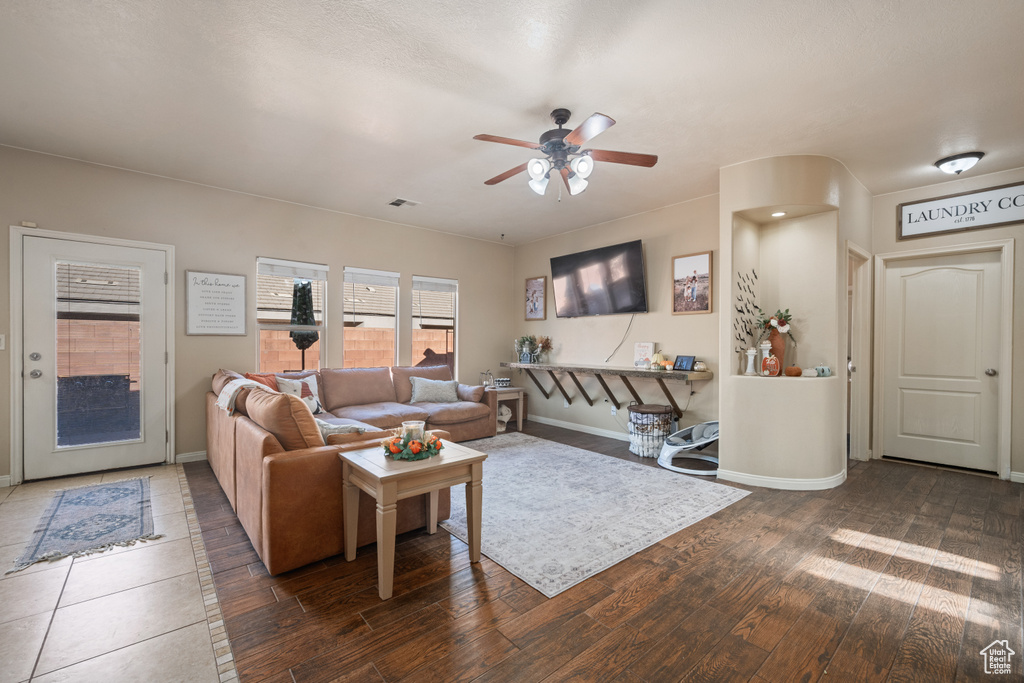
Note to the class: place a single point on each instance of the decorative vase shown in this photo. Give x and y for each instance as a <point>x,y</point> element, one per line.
<point>413,429</point>
<point>778,346</point>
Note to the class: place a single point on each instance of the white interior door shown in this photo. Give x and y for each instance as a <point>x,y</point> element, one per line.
<point>95,378</point>
<point>941,354</point>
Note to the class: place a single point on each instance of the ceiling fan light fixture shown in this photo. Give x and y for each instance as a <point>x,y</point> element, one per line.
<point>958,163</point>
<point>582,166</point>
<point>538,168</point>
<point>538,185</point>
<point>577,185</point>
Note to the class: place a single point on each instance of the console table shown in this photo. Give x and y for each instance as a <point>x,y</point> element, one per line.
<point>623,373</point>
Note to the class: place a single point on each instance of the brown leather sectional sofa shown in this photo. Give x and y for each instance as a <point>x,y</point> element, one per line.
<point>284,482</point>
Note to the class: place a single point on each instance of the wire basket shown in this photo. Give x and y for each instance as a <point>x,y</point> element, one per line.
<point>649,426</point>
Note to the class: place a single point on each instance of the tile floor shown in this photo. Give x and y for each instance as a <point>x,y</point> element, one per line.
<point>145,612</point>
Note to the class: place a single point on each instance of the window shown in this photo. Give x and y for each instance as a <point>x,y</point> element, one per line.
<point>434,306</point>
<point>371,314</point>
<point>291,298</point>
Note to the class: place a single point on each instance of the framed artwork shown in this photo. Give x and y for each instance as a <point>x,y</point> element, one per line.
<point>684,363</point>
<point>691,283</point>
<point>536,302</point>
<point>214,303</point>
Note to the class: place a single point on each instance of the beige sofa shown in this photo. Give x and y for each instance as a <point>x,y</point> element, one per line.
<point>284,482</point>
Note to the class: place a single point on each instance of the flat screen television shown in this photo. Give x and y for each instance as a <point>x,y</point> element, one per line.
<point>601,281</point>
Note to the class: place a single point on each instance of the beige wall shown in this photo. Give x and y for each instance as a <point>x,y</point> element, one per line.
<point>223,231</point>
<point>884,241</point>
<point>672,231</point>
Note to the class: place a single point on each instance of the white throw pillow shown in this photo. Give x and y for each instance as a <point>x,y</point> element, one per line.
<point>304,388</point>
<point>326,429</point>
<point>434,390</point>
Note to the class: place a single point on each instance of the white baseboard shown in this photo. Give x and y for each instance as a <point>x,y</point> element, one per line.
<point>596,431</point>
<point>5,481</point>
<point>191,457</point>
<point>1014,476</point>
<point>783,483</point>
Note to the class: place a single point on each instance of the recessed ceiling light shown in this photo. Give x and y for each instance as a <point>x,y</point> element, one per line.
<point>778,214</point>
<point>959,163</point>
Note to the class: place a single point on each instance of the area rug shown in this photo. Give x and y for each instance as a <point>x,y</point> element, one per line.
<point>555,515</point>
<point>89,519</point>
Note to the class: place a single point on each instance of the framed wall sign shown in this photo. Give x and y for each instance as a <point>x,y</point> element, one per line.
<point>691,283</point>
<point>214,303</point>
<point>988,208</point>
<point>536,302</point>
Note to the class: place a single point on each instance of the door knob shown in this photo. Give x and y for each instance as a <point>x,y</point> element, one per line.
<point>34,356</point>
<point>35,374</point>
<point>991,372</point>
<point>851,366</point>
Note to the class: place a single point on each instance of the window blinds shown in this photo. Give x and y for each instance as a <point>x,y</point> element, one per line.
<point>434,284</point>
<point>292,269</point>
<point>375,278</point>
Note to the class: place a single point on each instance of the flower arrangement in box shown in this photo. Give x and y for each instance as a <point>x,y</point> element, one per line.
<point>529,347</point>
<point>411,448</point>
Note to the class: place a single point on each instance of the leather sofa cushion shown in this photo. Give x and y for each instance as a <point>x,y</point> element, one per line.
<point>403,385</point>
<point>473,394</point>
<point>286,417</point>
<point>343,387</point>
<point>453,413</point>
<point>384,414</point>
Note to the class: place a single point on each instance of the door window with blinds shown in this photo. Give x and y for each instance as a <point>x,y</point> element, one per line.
<point>371,315</point>
<point>291,300</point>
<point>434,307</point>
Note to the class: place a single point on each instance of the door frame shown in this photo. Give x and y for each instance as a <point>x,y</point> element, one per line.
<point>18,233</point>
<point>860,347</point>
<point>1005,391</point>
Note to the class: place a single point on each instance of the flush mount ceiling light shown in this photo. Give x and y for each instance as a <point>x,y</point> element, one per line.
<point>955,165</point>
<point>778,214</point>
<point>565,156</point>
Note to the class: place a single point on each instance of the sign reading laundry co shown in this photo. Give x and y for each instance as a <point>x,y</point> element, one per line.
<point>965,211</point>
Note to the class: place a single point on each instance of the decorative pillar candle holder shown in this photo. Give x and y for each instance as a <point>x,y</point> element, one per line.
<point>413,430</point>
<point>751,353</point>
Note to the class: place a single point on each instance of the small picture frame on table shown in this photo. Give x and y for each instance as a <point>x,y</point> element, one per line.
<point>684,363</point>
<point>536,300</point>
<point>691,283</point>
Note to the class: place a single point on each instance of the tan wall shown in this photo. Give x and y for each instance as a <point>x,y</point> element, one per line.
<point>223,231</point>
<point>680,229</point>
<point>884,241</point>
<point>369,347</point>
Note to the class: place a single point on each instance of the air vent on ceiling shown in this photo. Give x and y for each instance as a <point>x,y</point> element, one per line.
<point>402,202</point>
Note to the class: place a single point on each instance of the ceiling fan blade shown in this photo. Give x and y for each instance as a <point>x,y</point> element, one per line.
<point>565,179</point>
<point>630,158</point>
<point>506,175</point>
<point>596,124</point>
<point>507,141</point>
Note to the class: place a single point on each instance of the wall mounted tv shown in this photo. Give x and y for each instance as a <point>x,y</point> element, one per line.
<point>601,281</point>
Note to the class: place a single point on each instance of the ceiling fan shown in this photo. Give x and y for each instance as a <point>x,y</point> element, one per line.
<point>564,157</point>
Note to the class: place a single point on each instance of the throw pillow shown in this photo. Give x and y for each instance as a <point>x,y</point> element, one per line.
<point>434,390</point>
<point>304,388</point>
<point>269,379</point>
<point>326,429</point>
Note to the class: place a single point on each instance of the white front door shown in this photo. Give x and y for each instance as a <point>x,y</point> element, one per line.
<point>95,341</point>
<point>941,354</point>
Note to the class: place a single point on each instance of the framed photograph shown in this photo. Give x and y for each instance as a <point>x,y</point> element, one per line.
<point>214,303</point>
<point>536,301</point>
<point>691,283</point>
<point>684,363</point>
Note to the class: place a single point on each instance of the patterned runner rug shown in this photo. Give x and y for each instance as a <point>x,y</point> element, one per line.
<point>555,515</point>
<point>90,519</point>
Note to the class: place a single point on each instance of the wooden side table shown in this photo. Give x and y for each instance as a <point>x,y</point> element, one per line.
<point>511,394</point>
<point>389,481</point>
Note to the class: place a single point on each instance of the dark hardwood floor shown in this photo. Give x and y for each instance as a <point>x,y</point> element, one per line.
<point>903,573</point>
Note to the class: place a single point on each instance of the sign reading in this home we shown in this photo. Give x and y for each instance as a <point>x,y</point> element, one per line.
<point>965,211</point>
<point>214,303</point>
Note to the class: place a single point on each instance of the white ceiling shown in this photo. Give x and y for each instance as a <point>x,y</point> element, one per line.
<point>346,105</point>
